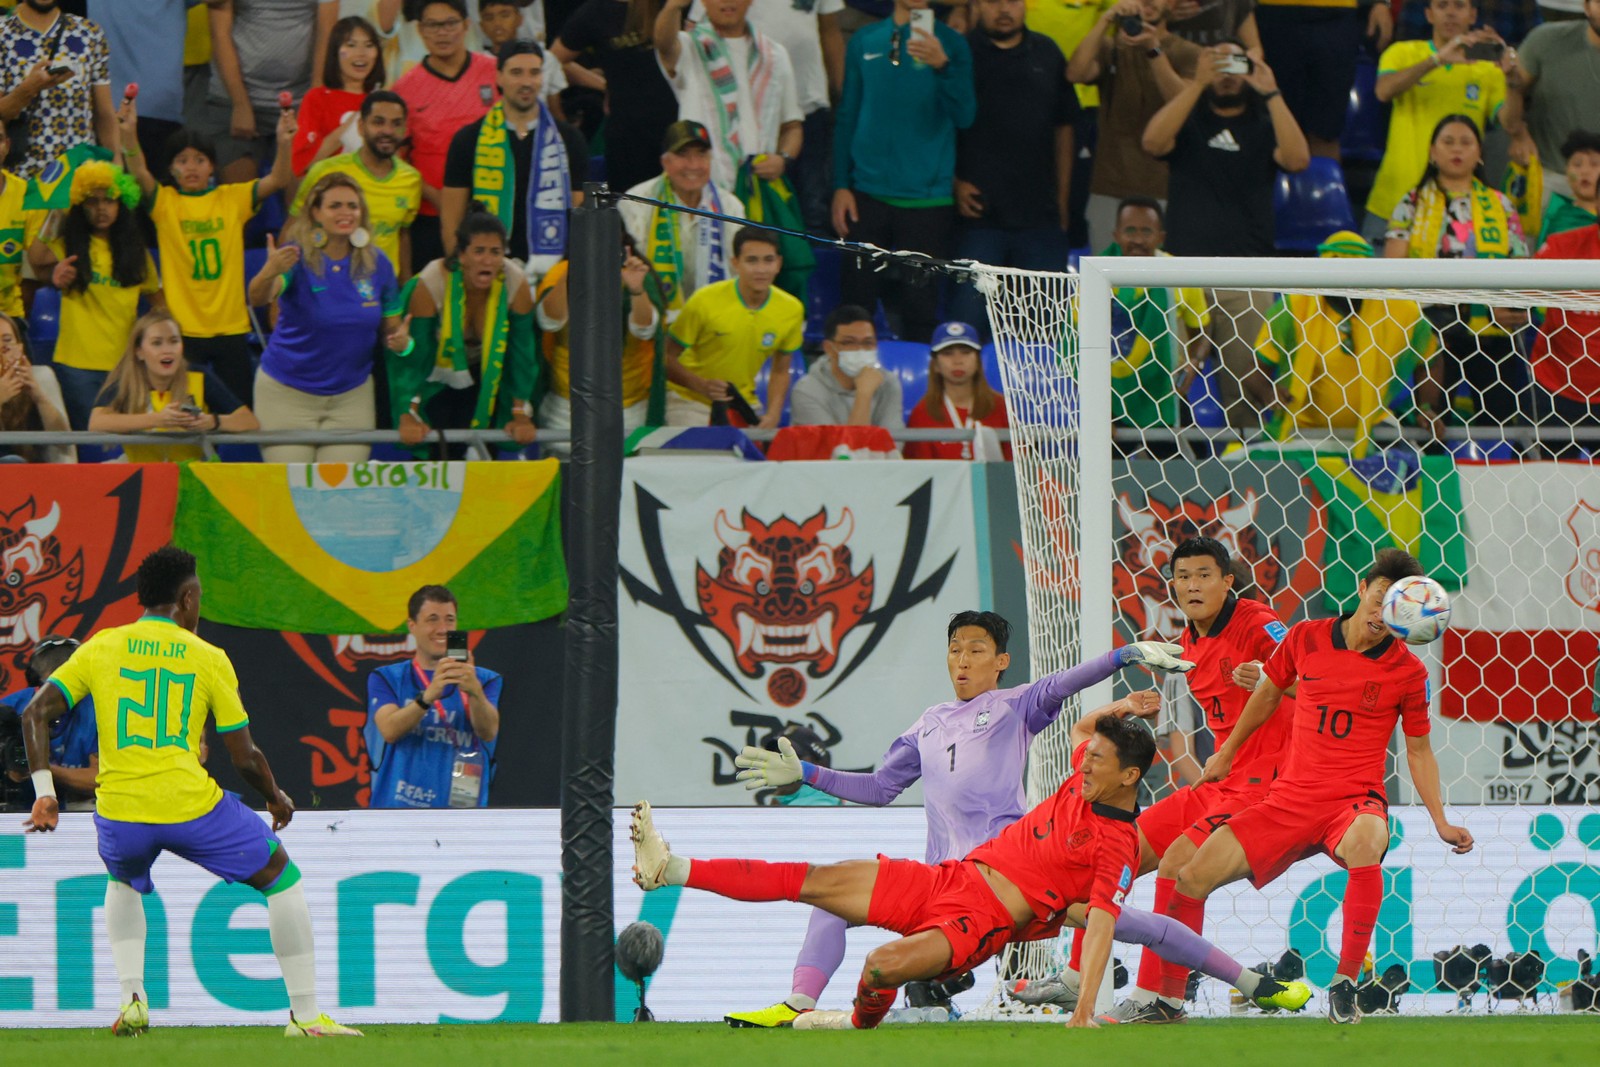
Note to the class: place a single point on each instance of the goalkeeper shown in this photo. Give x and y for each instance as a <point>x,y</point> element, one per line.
<point>1069,861</point>
<point>970,754</point>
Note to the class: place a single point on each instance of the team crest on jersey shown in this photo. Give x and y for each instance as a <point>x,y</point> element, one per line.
<point>1080,838</point>
<point>1370,693</point>
<point>1473,91</point>
<point>982,720</point>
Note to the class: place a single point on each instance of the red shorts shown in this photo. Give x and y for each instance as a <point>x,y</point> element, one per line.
<point>1290,825</point>
<point>952,898</point>
<point>1194,812</point>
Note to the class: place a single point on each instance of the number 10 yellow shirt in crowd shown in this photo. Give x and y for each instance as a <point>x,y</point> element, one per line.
<point>201,236</point>
<point>154,683</point>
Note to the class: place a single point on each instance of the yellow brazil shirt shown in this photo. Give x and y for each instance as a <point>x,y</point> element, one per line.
<point>201,237</point>
<point>154,684</point>
<point>14,239</point>
<point>1473,89</point>
<point>638,354</point>
<point>159,399</point>
<point>392,201</point>
<point>1067,23</point>
<point>95,323</point>
<point>726,340</point>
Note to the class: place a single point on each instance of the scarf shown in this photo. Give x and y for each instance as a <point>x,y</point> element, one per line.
<point>494,183</point>
<point>450,368</point>
<point>709,49</point>
<point>665,256</point>
<point>1490,227</point>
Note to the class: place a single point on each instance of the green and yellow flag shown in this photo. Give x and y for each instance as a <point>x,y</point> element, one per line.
<point>338,548</point>
<point>51,188</point>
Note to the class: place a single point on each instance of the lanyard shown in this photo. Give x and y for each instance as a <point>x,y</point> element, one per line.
<point>961,424</point>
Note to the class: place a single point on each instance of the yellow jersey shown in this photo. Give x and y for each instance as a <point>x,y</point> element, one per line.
<point>95,323</point>
<point>1067,23</point>
<point>729,341</point>
<point>638,354</point>
<point>159,399</point>
<point>201,237</point>
<point>154,685</point>
<point>1474,89</point>
<point>392,201</point>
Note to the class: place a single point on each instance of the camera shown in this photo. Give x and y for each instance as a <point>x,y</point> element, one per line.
<point>14,795</point>
<point>1235,64</point>
<point>1132,25</point>
<point>1490,51</point>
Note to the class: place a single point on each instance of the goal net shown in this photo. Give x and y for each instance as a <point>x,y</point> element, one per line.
<point>1307,413</point>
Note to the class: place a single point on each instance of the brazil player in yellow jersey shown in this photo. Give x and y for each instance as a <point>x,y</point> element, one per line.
<point>155,683</point>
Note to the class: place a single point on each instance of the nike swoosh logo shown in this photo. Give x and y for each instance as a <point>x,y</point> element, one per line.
<point>1309,678</point>
<point>873,55</point>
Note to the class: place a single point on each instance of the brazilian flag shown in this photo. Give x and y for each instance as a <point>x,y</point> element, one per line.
<point>775,204</point>
<point>1391,498</point>
<point>51,188</point>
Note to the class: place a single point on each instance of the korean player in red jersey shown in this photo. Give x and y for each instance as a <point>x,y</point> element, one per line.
<point>1353,682</point>
<point>1069,861</point>
<point>1227,639</point>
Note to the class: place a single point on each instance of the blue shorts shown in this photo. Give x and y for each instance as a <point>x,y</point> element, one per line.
<point>230,841</point>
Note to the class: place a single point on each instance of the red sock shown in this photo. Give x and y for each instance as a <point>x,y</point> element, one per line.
<point>748,879</point>
<point>1191,913</point>
<point>1363,896</point>
<point>871,1005</point>
<point>1151,966</point>
<point>1075,960</point>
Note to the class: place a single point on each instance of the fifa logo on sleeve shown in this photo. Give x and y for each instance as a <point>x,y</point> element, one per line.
<point>1276,630</point>
<point>1123,884</point>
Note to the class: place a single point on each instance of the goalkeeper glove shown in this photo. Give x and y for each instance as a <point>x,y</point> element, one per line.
<point>764,770</point>
<point>1160,655</point>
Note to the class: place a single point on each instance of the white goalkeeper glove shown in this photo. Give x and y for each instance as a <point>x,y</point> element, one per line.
<point>765,770</point>
<point>1160,655</point>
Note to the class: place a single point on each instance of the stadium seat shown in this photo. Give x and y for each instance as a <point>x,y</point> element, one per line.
<point>823,294</point>
<point>990,356</point>
<point>1366,124</point>
<point>1311,205</point>
<point>1205,399</point>
<point>797,371</point>
<point>907,361</point>
<point>597,169</point>
<point>44,323</point>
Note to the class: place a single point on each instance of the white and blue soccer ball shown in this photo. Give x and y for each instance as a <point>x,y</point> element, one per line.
<point>1416,610</point>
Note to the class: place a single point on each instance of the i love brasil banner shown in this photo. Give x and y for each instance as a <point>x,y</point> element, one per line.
<point>338,548</point>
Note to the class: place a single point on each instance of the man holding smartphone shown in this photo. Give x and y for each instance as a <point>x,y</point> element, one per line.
<point>432,720</point>
<point>55,76</point>
<point>1459,71</point>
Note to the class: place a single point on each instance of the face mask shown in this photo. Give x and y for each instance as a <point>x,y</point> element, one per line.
<point>852,361</point>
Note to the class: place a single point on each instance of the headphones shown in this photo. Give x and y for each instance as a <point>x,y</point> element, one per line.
<point>31,672</point>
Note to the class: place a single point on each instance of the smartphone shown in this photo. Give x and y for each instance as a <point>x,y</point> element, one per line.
<point>1234,64</point>
<point>1132,25</point>
<point>923,19</point>
<point>455,644</point>
<point>58,69</point>
<point>1485,50</point>
<point>191,410</point>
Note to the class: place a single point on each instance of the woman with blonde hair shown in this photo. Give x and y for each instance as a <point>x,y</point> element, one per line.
<point>152,389</point>
<point>337,298</point>
<point>30,399</point>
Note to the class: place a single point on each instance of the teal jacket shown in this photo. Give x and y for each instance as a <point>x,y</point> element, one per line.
<point>895,132</point>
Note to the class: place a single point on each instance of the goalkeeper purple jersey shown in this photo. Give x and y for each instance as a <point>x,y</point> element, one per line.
<point>970,755</point>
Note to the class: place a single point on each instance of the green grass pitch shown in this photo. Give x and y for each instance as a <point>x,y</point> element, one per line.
<point>1306,1042</point>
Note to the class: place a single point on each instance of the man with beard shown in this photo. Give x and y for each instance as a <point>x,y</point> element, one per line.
<point>1553,85</point>
<point>1014,164</point>
<point>62,109</point>
<point>518,144</point>
<point>392,187</point>
<point>1224,137</point>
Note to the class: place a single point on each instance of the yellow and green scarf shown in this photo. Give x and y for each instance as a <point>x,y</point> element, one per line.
<point>665,256</point>
<point>1491,227</point>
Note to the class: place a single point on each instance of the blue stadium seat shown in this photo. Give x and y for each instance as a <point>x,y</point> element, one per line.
<point>44,323</point>
<point>597,170</point>
<point>907,361</point>
<point>823,294</point>
<point>1311,205</point>
<point>1205,399</point>
<point>796,370</point>
<point>1366,124</point>
<point>990,356</point>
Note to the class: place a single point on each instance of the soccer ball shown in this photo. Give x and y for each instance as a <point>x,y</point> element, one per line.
<point>1416,610</point>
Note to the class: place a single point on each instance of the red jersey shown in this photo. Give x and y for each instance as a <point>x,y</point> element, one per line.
<point>1346,706</point>
<point>1245,631</point>
<point>1067,851</point>
<point>322,111</point>
<point>1566,350</point>
<point>922,419</point>
<point>440,106</point>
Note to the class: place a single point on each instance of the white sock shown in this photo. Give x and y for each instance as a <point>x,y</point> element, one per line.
<point>1171,1002</point>
<point>289,922</point>
<point>801,1002</point>
<point>677,872</point>
<point>1143,996</point>
<point>1249,981</point>
<point>1342,978</point>
<point>126,929</point>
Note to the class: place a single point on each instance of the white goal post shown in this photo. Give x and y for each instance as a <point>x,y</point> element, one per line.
<point>1058,341</point>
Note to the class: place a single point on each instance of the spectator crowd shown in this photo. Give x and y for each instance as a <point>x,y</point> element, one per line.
<point>354,214</point>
